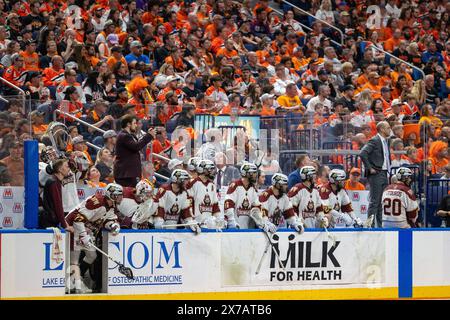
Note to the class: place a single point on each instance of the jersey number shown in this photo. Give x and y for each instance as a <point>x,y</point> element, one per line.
<point>392,207</point>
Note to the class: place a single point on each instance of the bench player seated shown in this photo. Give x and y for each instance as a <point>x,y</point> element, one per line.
<point>191,166</point>
<point>337,203</point>
<point>276,206</point>
<point>138,206</point>
<point>87,219</point>
<point>202,191</point>
<point>400,207</point>
<point>174,204</point>
<point>305,199</point>
<point>242,198</point>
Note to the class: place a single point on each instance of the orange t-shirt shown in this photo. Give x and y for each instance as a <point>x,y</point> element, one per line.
<point>358,187</point>
<point>112,61</point>
<point>30,61</point>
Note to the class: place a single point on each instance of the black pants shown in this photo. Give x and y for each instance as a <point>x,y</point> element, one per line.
<point>127,182</point>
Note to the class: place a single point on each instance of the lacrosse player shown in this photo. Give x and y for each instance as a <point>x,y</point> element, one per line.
<point>203,193</point>
<point>191,167</point>
<point>242,198</point>
<point>336,202</point>
<point>87,219</point>
<point>306,200</point>
<point>276,206</point>
<point>174,204</point>
<point>400,207</point>
<point>138,206</point>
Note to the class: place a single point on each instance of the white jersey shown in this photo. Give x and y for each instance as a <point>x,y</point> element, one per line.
<point>90,216</point>
<point>204,198</point>
<point>140,214</point>
<point>173,207</point>
<point>70,191</point>
<point>277,209</point>
<point>340,206</point>
<point>399,206</point>
<point>306,203</point>
<point>239,201</point>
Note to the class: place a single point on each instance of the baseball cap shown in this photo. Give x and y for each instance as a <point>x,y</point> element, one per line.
<point>396,102</point>
<point>108,23</point>
<point>135,43</point>
<point>385,89</point>
<point>322,72</point>
<point>173,163</point>
<point>113,38</point>
<point>344,13</point>
<point>348,87</point>
<point>77,139</point>
<point>172,78</point>
<point>36,113</point>
<point>355,170</point>
<point>266,96</point>
<point>109,134</point>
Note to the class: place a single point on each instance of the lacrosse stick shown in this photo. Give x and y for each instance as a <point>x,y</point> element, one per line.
<point>127,272</point>
<point>179,225</point>
<point>255,215</point>
<point>332,238</point>
<point>369,221</point>
<point>262,258</point>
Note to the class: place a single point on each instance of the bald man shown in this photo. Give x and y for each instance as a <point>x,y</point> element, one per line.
<point>376,158</point>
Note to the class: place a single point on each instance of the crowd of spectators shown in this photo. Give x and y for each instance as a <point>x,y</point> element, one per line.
<point>166,61</point>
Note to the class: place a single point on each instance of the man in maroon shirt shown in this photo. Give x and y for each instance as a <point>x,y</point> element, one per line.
<point>53,213</point>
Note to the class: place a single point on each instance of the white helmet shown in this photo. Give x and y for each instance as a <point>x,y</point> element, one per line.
<point>207,167</point>
<point>280,181</point>
<point>307,173</point>
<point>337,175</point>
<point>192,163</point>
<point>249,170</point>
<point>144,189</point>
<point>404,175</point>
<point>113,191</point>
<point>179,176</point>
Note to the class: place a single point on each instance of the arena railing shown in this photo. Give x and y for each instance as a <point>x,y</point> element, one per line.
<point>84,123</point>
<point>314,17</point>
<point>398,59</point>
<point>22,93</point>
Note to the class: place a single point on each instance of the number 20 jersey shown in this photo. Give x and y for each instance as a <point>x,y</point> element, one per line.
<point>399,204</point>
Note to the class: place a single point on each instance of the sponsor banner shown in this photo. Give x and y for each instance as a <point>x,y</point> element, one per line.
<point>309,259</point>
<point>27,267</point>
<point>11,207</point>
<point>360,203</point>
<point>215,262</point>
<point>164,262</point>
<point>431,258</point>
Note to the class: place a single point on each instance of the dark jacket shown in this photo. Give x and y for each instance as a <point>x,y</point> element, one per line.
<point>52,214</point>
<point>372,155</point>
<point>294,178</point>
<point>128,157</point>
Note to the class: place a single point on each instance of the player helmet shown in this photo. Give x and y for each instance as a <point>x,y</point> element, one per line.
<point>192,163</point>
<point>48,154</point>
<point>249,170</point>
<point>280,181</point>
<point>308,173</point>
<point>337,175</point>
<point>404,175</point>
<point>114,192</point>
<point>207,168</point>
<point>144,189</point>
<point>179,176</point>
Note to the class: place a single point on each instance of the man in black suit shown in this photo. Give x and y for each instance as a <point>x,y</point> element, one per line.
<point>127,166</point>
<point>226,173</point>
<point>376,158</point>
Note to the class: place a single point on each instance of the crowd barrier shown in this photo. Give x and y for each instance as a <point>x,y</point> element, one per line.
<point>231,265</point>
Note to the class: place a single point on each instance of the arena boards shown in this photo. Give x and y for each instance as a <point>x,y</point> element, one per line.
<point>376,264</point>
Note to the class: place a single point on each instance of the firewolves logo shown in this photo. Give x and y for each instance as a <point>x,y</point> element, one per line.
<point>8,222</point>
<point>363,208</point>
<point>81,194</point>
<point>355,196</point>
<point>8,193</point>
<point>17,208</point>
<point>99,192</point>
